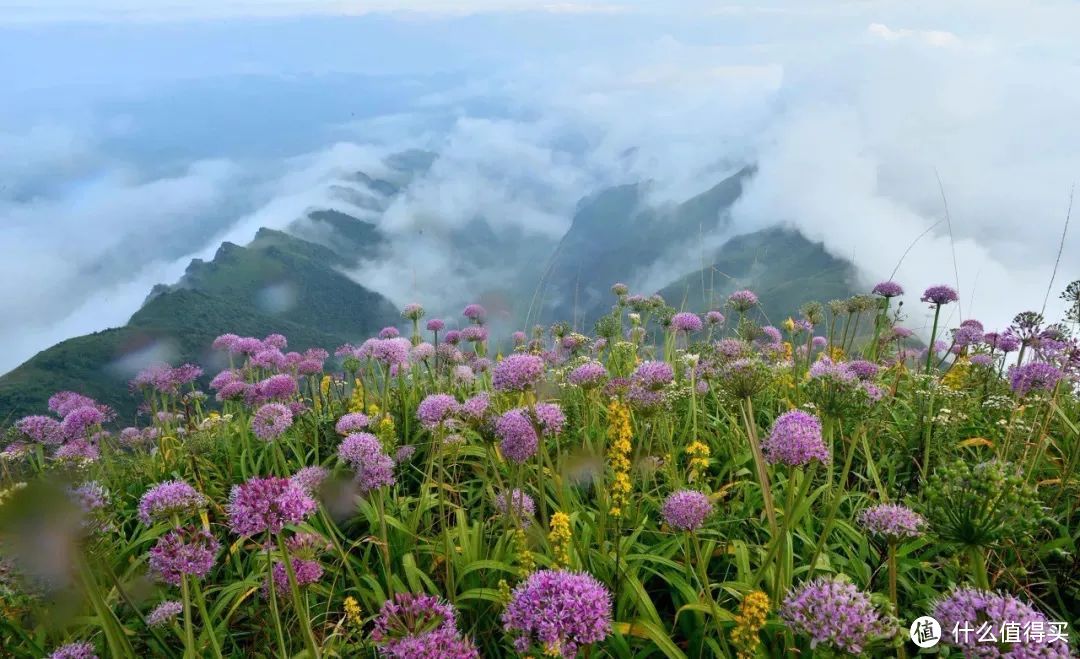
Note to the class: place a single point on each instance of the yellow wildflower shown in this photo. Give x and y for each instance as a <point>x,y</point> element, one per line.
<point>789,324</point>
<point>957,375</point>
<point>836,354</point>
<point>748,623</point>
<point>619,435</point>
<point>353,612</point>
<point>524,556</point>
<point>788,350</point>
<point>699,458</point>
<point>560,536</point>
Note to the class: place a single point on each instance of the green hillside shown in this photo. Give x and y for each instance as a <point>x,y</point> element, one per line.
<point>278,283</point>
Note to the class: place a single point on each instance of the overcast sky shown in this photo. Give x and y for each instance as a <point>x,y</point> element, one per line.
<point>137,134</point>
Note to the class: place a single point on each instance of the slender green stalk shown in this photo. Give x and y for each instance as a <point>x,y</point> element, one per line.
<point>272,596</point>
<point>834,505</point>
<point>892,588</point>
<point>299,603</point>
<point>747,409</point>
<point>977,565</point>
<point>189,624</point>
<point>200,601</point>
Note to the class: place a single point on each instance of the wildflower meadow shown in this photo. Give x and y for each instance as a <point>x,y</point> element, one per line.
<point>669,485</point>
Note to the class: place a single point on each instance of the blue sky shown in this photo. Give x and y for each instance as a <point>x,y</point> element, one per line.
<point>146,132</point>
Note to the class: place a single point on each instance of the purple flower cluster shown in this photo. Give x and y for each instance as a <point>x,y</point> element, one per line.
<point>310,479</point>
<point>523,506</point>
<point>714,318</point>
<point>271,420</point>
<point>435,325</point>
<point>364,453</point>
<point>686,510</point>
<point>795,440</point>
<point>307,572</point>
<point>280,387</point>
<point>352,422</point>
<point>80,420</point>
<point>183,552</point>
<point>164,613</point>
<point>517,436</point>
<point>559,611</point>
<point>517,372</point>
<point>436,410</point>
<point>164,500</point>
<point>164,378</point>
<point>837,372</point>
<point>476,408</point>
<point>892,521</point>
<point>968,608</point>
<point>684,321</point>
<point>653,375</point>
<point>1034,376</point>
<point>78,650</point>
<point>888,289</point>
<point>588,375</point>
<point>940,295</point>
<point>43,429</point>
<point>833,612</point>
<point>475,313</point>
<point>411,625</point>
<point>267,504</point>
<point>863,369</point>
<point>550,418</point>
<point>64,402</point>
<point>742,301</point>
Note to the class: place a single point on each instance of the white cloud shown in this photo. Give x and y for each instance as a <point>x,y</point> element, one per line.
<point>929,37</point>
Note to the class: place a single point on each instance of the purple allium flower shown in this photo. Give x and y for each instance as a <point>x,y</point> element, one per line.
<point>78,449</point>
<point>967,335</point>
<point>270,359</point>
<point>873,392</point>
<point>550,418</point>
<point>1007,342</point>
<point>771,334</point>
<point>826,369</point>
<point>453,337</point>
<point>277,387</point>
<point>223,378</point>
<point>235,390</point>
<point>686,510</point>
<point>481,364</point>
<point>620,289</point>
<point>79,650</point>
<point>819,342</point>
<point>43,429</point>
<point>364,453</point>
<point>276,341</point>
<point>90,496</point>
<point>714,318</point>
<point>404,453</point>
<point>271,420</point>
<point>968,608</point>
<point>519,338</point>
<point>982,359</point>
<point>165,613</point>
<point>892,521</point>
<point>422,352</point>
<point>310,478</point>
<point>475,313</point>
<point>392,351</point>
<point>558,611</point>
<point>833,612</point>
<point>940,295</point>
<point>463,374</point>
<point>307,572</point>
<point>653,375</point>
<point>181,552</point>
<point>645,400</point>
<point>436,409</point>
<point>62,403</point>
<point>249,345</point>
<point>389,333</point>
<point>795,440</point>
<point>267,504</point>
<point>476,408</point>
<point>863,369</point>
<point>518,440</point>
<point>225,342</point>
<point>79,420</point>
<point>474,333</point>
<point>352,422</point>
<point>523,506</point>
<point>413,311</point>
<point>411,626</point>
<point>888,289</point>
<point>685,321</point>
<point>1034,376</point>
<point>517,372</point>
<point>588,375</point>
<point>731,349</point>
<point>164,500</point>
<point>742,301</point>
<point>435,325</point>
<point>15,451</point>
